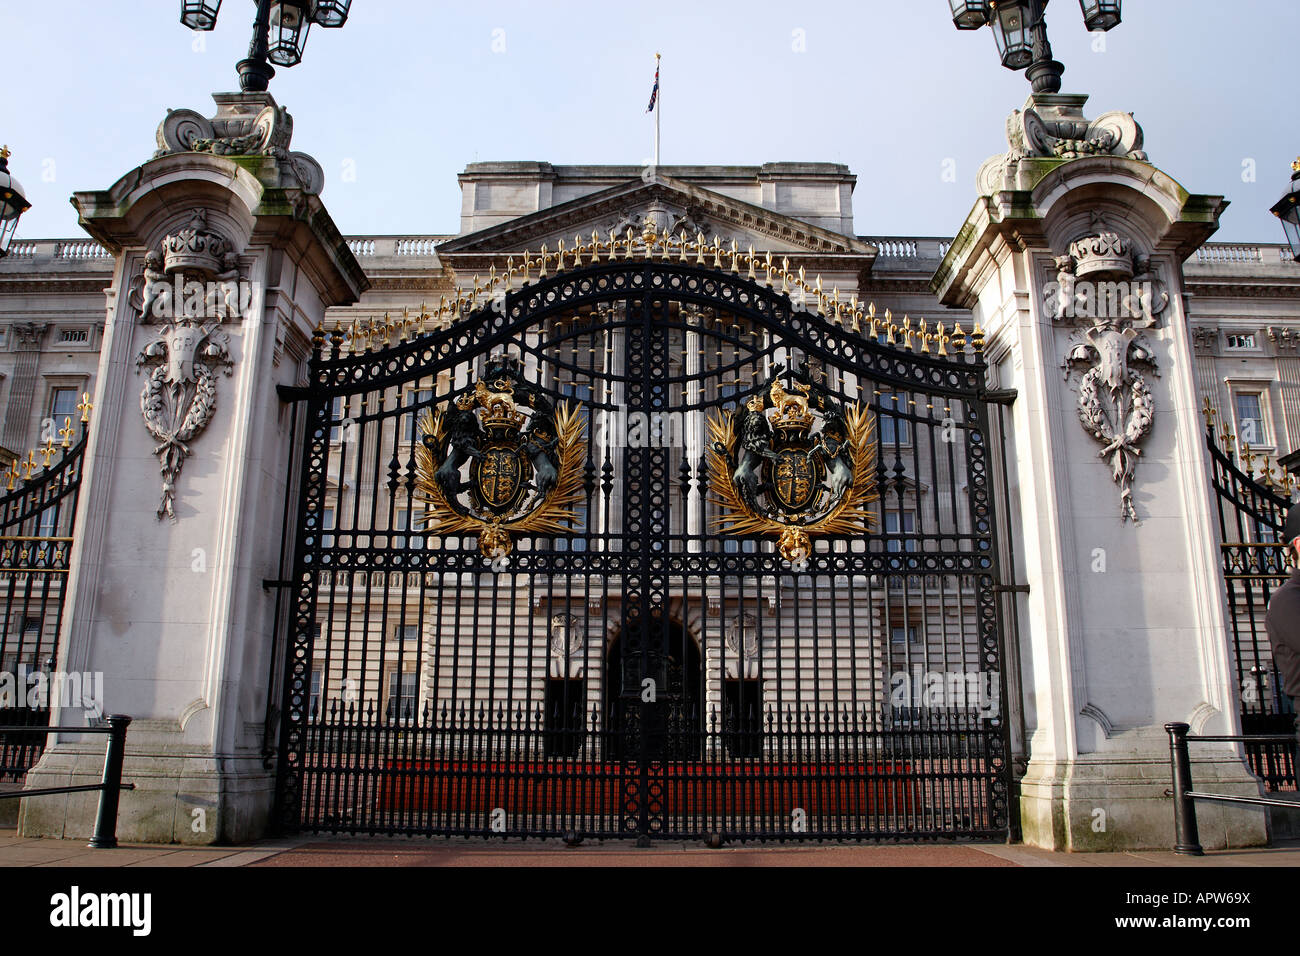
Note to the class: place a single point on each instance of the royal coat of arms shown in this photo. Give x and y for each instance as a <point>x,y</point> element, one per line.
<point>804,466</point>
<point>524,458</point>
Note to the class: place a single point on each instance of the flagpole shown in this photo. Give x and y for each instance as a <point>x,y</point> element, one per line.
<point>658,99</point>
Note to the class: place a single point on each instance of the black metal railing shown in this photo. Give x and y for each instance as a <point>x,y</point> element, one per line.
<point>38,507</point>
<point>1252,507</point>
<point>110,787</point>
<point>802,773</point>
<point>1187,839</point>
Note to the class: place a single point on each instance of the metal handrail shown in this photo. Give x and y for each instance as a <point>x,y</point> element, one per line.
<point>110,787</point>
<point>1186,836</point>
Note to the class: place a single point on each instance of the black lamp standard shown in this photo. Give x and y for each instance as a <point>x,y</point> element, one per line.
<point>1020,31</point>
<point>279,32</point>
<point>1288,210</point>
<point>12,203</point>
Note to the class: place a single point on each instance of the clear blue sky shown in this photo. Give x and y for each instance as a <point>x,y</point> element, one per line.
<point>409,92</point>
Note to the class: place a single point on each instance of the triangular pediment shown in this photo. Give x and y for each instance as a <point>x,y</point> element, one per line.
<point>668,202</point>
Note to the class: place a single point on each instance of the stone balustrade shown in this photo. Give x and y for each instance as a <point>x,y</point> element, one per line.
<point>414,247</point>
<point>1248,254</point>
<point>403,247</point>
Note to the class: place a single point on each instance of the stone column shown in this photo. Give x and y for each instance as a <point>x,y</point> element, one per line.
<point>1205,345</point>
<point>1072,261</point>
<point>1288,366</point>
<point>225,261</point>
<point>22,393</point>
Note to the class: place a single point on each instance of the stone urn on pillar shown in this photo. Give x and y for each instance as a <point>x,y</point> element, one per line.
<point>1072,259</point>
<point>226,261</point>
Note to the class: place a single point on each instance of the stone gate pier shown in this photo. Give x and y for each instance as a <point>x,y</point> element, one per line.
<point>225,260</point>
<point>1072,260</point>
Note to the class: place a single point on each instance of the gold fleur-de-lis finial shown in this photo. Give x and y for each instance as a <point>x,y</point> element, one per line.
<point>65,432</point>
<point>29,465</point>
<point>85,406</point>
<point>1295,167</point>
<point>11,475</point>
<point>1248,457</point>
<point>47,452</point>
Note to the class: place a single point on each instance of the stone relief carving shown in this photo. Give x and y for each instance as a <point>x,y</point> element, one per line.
<point>245,125</point>
<point>661,216</point>
<point>568,639</point>
<point>1054,127</point>
<point>1099,287</point>
<point>188,290</point>
<point>1283,339</point>
<point>568,636</point>
<point>1205,339</point>
<point>742,634</point>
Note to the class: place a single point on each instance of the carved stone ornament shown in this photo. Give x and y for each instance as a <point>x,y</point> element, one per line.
<point>662,217</point>
<point>187,290</point>
<point>568,637</point>
<point>742,635</point>
<point>246,124</point>
<point>1053,126</point>
<point>1100,288</point>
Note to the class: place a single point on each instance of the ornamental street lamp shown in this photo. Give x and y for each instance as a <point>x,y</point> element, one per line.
<point>1288,210</point>
<point>279,32</point>
<point>13,203</point>
<point>1020,32</point>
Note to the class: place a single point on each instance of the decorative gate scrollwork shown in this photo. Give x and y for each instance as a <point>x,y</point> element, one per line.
<point>728,537</point>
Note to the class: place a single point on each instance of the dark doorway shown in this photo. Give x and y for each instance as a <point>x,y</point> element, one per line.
<point>670,726</point>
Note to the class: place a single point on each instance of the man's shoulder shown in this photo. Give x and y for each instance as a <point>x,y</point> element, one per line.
<point>1286,600</point>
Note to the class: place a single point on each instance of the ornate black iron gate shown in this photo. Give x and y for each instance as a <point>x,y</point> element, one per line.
<point>646,549</point>
<point>38,507</point>
<point>1255,562</point>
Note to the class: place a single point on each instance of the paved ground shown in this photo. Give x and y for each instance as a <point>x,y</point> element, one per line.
<point>380,851</point>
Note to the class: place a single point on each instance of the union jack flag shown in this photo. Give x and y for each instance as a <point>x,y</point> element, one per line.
<point>654,94</point>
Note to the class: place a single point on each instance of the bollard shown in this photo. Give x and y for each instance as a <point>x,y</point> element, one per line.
<point>106,819</point>
<point>1185,832</point>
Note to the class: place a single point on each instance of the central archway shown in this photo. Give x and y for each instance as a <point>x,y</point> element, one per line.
<point>664,718</point>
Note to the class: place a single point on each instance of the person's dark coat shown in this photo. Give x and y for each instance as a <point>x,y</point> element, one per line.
<point>1283,624</point>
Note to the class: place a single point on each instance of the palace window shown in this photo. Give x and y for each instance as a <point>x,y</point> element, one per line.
<point>313,705</point>
<point>407,633</point>
<point>79,336</point>
<point>1240,340</point>
<point>1251,427</point>
<point>901,633</point>
<point>327,524</point>
<point>417,400</point>
<point>565,712</point>
<point>47,524</point>
<point>336,417</point>
<point>899,524</point>
<point>894,429</point>
<point>63,405</point>
<point>402,522</point>
<point>403,689</point>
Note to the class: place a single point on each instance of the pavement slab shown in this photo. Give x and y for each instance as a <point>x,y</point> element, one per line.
<point>348,851</point>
